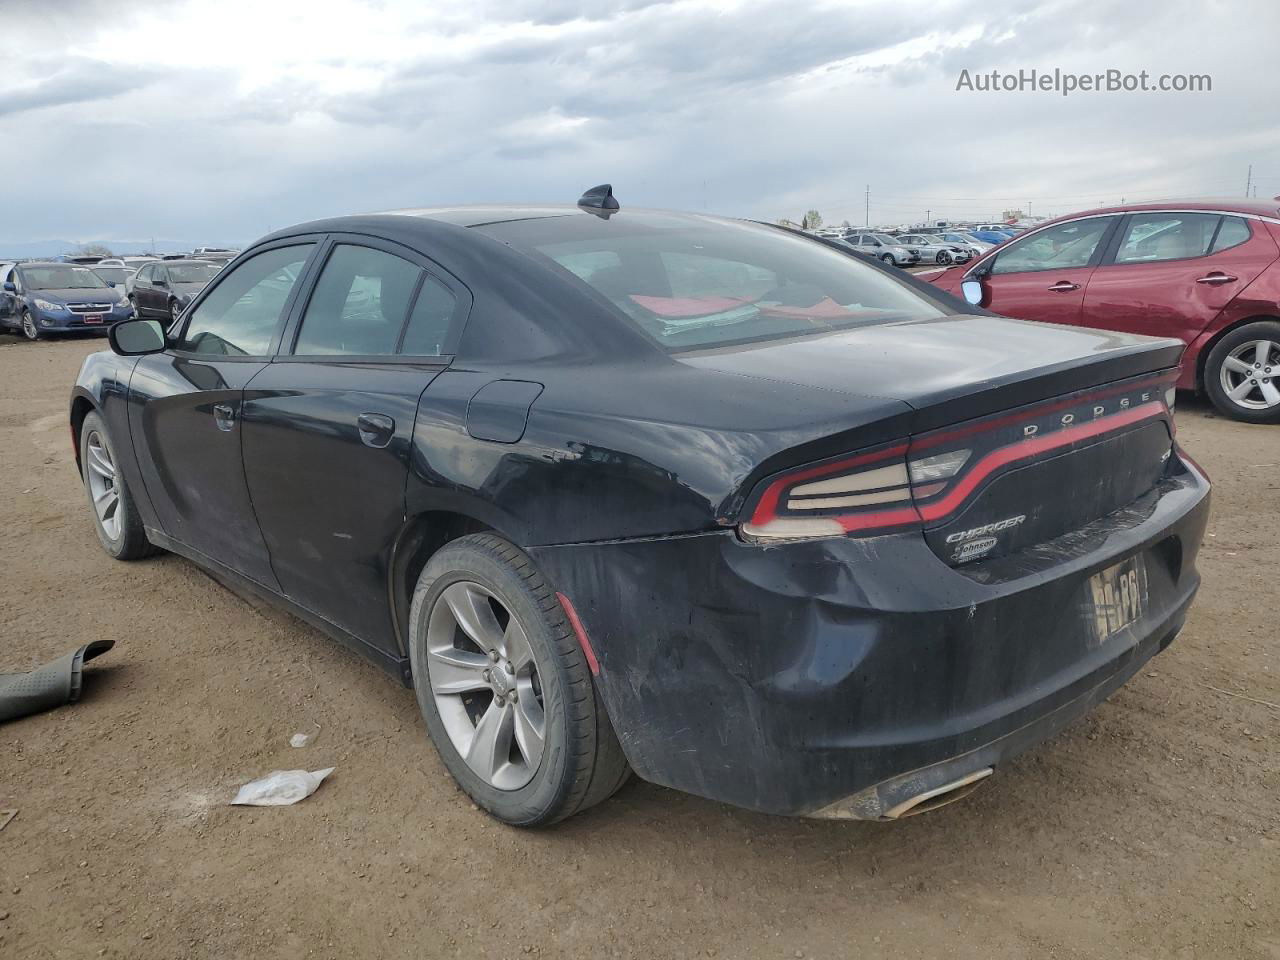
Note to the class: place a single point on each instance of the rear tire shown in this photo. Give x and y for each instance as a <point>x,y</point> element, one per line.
<point>944,257</point>
<point>579,761</point>
<point>115,518</point>
<point>1242,373</point>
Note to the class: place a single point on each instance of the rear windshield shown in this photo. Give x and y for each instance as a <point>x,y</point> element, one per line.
<point>690,282</point>
<point>192,272</point>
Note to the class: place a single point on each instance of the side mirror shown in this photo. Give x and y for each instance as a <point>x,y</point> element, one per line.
<point>135,338</point>
<point>158,282</point>
<point>9,287</point>
<point>972,290</point>
<point>111,283</point>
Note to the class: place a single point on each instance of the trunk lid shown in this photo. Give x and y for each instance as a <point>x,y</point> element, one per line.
<point>1048,427</point>
<point>950,369</point>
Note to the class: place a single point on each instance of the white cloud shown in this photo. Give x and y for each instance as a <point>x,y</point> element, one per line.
<point>218,121</point>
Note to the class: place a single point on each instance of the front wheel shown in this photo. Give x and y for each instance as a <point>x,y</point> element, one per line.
<point>888,260</point>
<point>1242,373</point>
<point>30,329</point>
<point>505,689</point>
<point>115,519</point>
<point>943,257</point>
<point>175,311</point>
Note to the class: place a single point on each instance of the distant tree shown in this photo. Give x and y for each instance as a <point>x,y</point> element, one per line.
<point>814,219</point>
<point>95,250</point>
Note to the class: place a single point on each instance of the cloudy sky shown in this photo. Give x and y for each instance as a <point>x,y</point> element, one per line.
<point>217,120</point>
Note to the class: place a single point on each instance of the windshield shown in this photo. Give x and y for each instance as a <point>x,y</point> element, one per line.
<point>113,274</point>
<point>689,282</point>
<point>885,238</point>
<point>191,272</point>
<point>61,277</point>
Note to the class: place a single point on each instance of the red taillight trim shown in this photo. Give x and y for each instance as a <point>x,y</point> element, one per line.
<point>592,663</point>
<point>968,481</point>
<point>928,440</point>
<point>1031,447</point>
<point>767,508</point>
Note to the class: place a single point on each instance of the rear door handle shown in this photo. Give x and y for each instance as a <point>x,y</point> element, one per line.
<point>1064,286</point>
<point>1217,277</point>
<point>224,415</point>
<point>376,429</point>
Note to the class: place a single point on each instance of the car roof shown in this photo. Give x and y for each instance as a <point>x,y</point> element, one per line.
<point>185,260</point>
<point>1258,208</point>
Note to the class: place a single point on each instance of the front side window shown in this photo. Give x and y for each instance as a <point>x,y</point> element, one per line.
<point>359,303</point>
<point>144,275</point>
<point>240,315</point>
<point>690,283</point>
<point>1152,237</point>
<point>1054,248</point>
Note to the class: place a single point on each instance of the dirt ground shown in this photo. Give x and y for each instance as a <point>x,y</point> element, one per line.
<point>1149,829</point>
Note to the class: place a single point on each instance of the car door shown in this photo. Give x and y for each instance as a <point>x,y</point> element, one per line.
<point>185,408</point>
<point>1171,273</point>
<point>142,291</point>
<point>1043,276</point>
<point>328,426</point>
<point>8,313</point>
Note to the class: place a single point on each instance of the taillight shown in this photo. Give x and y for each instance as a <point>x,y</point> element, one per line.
<point>911,484</point>
<point>868,492</point>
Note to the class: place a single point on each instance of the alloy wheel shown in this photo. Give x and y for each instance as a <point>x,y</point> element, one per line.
<point>104,489</point>
<point>1248,374</point>
<point>485,683</point>
<point>29,329</point>
<point>944,257</point>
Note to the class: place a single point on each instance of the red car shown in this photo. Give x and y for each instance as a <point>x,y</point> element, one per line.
<point>1204,271</point>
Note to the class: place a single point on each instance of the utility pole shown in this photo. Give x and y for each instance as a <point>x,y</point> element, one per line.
<point>866,212</point>
<point>1248,180</point>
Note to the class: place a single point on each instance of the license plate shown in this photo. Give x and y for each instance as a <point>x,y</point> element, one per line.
<point>1118,596</point>
<point>93,318</point>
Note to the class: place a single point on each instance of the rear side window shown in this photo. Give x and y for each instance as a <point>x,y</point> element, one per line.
<point>1054,248</point>
<point>690,283</point>
<point>359,304</point>
<point>240,315</point>
<point>430,320</point>
<point>1152,237</point>
<point>1233,232</point>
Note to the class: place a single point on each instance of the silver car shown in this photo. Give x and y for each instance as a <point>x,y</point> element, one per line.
<point>933,248</point>
<point>883,247</point>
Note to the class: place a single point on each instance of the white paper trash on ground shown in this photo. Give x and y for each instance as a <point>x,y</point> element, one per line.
<point>280,788</point>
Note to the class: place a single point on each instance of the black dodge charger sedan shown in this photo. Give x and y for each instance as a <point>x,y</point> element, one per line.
<point>619,490</point>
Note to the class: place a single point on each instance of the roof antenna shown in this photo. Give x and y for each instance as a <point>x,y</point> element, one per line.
<point>600,201</point>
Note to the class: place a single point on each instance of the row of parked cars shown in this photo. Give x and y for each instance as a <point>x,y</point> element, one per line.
<point>926,245</point>
<point>87,294</point>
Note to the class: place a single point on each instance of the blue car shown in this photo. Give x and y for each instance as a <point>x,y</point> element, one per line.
<point>990,236</point>
<point>45,298</point>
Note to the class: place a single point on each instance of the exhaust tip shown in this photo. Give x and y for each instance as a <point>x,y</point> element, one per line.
<point>938,796</point>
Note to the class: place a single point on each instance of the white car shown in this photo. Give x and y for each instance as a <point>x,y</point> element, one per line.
<point>933,248</point>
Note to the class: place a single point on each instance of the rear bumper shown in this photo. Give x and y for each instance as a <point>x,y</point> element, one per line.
<point>834,677</point>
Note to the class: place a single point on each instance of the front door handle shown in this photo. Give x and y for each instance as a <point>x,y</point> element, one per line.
<point>1064,286</point>
<point>224,415</point>
<point>1217,277</point>
<point>376,429</point>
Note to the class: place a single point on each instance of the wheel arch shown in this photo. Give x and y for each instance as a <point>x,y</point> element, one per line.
<point>82,405</point>
<point>1206,347</point>
<point>422,535</point>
